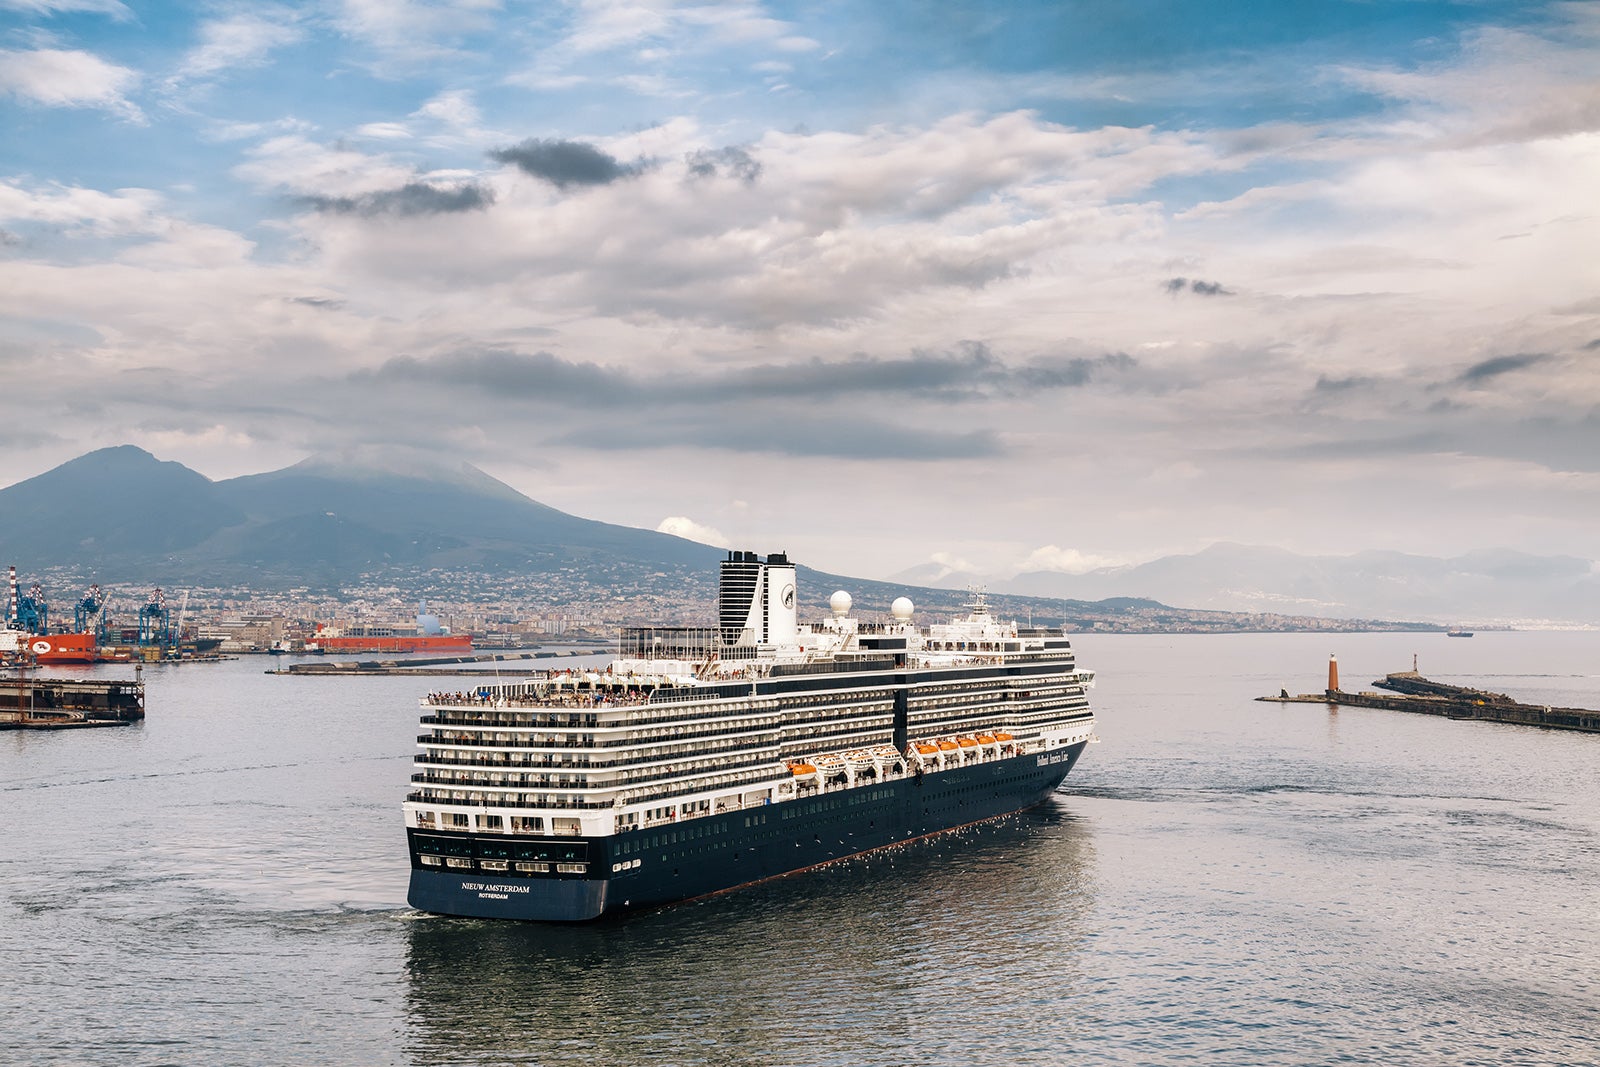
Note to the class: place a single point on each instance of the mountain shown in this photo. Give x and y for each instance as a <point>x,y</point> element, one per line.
<point>1479,588</point>
<point>116,506</point>
<point>123,515</point>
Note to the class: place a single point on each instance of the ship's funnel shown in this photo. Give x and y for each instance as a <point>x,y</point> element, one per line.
<point>756,600</point>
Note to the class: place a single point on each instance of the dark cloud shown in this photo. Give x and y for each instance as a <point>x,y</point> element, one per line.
<point>414,198</point>
<point>970,372</point>
<point>1070,373</point>
<point>799,433</point>
<point>1479,373</point>
<point>9,239</point>
<point>733,161</point>
<point>1333,386</point>
<point>320,302</point>
<point>1195,285</point>
<point>564,163</point>
<point>507,373</point>
<point>1592,345</point>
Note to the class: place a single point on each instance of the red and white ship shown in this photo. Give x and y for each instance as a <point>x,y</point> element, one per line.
<point>64,648</point>
<point>426,635</point>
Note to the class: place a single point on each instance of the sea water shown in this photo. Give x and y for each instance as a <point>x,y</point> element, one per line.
<point>1221,881</point>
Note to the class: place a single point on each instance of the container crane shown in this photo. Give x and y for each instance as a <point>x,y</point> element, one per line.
<point>33,612</point>
<point>89,612</point>
<point>155,622</point>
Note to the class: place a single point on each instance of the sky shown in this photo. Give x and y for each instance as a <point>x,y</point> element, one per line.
<point>1032,286</point>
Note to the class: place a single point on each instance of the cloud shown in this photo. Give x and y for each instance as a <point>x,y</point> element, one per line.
<point>1177,285</point>
<point>731,162</point>
<point>968,372</point>
<point>300,165</point>
<point>413,198</point>
<point>1065,561</point>
<point>114,8</point>
<point>801,434</point>
<point>682,526</point>
<point>564,163</point>
<point>410,33</point>
<point>56,78</point>
<point>82,212</point>
<point>1481,372</point>
<point>239,41</point>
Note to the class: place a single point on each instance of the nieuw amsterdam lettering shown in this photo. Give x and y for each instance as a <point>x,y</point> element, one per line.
<point>481,887</point>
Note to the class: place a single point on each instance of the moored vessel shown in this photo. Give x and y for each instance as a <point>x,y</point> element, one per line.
<point>343,641</point>
<point>50,649</point>
<point>706,758</point>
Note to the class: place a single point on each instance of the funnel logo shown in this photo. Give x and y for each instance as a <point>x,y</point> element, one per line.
<point>41,647</point>
<point>788,596</point>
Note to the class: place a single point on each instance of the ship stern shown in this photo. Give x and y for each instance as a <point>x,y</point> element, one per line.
<point>485,896</point>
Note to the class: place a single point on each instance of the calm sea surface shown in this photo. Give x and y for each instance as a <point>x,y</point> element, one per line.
<point>1220,882</point>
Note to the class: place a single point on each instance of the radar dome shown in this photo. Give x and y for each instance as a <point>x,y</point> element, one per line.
<point>901,608</point>
<point>840,603</point>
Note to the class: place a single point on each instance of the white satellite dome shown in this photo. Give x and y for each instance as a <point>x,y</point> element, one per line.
<point>902,608</point>
<point>840,603</point>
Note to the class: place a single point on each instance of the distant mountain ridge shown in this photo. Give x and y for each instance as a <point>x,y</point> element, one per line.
<point>398,516</point>
<point>1478,588</point>
<point>122,512</point>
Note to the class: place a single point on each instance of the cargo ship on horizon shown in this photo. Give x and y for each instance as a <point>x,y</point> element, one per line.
<point>706,758</point>
<point>426,635</point>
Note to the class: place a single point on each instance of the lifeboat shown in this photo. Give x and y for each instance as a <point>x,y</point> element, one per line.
<point>1002,737</point>
<point>949,746</point>
<point>802,769</point>
<point>927,750</point>
<point>966,742</point>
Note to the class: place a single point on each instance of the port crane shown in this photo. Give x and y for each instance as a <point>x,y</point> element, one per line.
<point>155,621</point>
<point>31,612</point>
<point>89,612</point>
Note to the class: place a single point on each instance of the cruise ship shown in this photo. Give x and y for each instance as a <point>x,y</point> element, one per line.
<point>706,758</point>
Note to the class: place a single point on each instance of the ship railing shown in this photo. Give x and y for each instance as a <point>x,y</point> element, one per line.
<point>585,781</point>
<point>588,766</point>
<point>553,700</point>
<point>567,803</point>
<point>422,796</point>
<point>648,759</point>
<point>526,743</point>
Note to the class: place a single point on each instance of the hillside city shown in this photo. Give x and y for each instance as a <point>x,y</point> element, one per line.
<point>575,605</point>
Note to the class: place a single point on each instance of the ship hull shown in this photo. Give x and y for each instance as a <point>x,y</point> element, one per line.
<point>443,643</point>
<point>668,863</point>
<point>63,648</point>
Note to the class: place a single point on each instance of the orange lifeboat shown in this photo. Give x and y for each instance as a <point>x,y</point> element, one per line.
<point>1002,737</point>
<point>986,739</point>
<point>966,742</point>
<point>926,750</point>
<point>948,746</point>
<point>800,769</point>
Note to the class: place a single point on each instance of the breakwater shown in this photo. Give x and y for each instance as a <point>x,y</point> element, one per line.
<point>1411,692</point>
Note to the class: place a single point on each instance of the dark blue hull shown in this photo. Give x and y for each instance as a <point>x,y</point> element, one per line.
<point>697,857</point>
